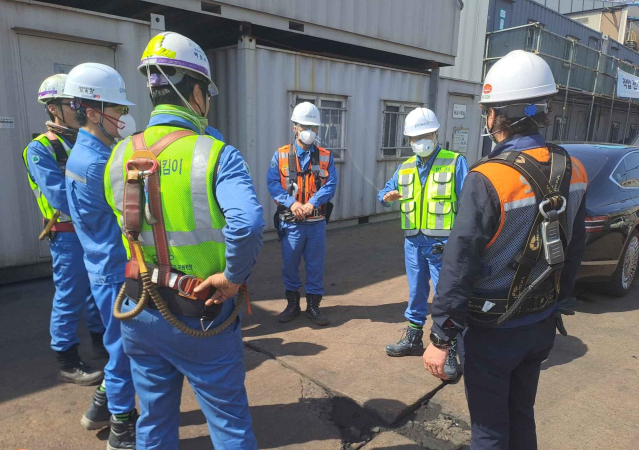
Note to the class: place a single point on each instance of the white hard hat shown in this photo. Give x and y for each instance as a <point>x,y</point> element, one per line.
<point>420,121</point>
<point>94,81</point>
<point>170,49</point>
<point>52,88</point>
<point>518,76</point>
<point>306,113</point>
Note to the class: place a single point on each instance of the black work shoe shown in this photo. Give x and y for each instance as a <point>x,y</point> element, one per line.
<point>292,308</point>
<point>98,415</point>
<point>450,367</point>
<point>74,370</point>
<point>122,436</point>
<point>98,351</point>
<point>312,309</point>
<point>410,344</point>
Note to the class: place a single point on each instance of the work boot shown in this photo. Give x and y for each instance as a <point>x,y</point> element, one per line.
<point>98,415</point>
<point>292,308</point>
<point>450,368</point>
<point>312,309</point>
<point>410,343</point>
<point>74,370</point>
<point>98,350</point>
<point>122,436</point>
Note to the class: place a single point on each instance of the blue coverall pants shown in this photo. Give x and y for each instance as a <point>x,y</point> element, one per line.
<point>501,372</point>
<point>421,266</point>
<point>308,240</point>
<point>117,372</point>
<point>161,356</point>
<point>72,293</point>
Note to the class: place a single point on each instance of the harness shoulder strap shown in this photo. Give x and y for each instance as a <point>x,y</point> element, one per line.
<point>60,153</point>
<point>315,168</point>
<point>292,165</point>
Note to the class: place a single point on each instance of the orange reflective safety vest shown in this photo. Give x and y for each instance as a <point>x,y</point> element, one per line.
<point>304,184</point>
<point>519,208</point>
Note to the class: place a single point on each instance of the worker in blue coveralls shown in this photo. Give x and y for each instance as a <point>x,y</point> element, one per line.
<point>45,159</point>
<point>213,225</point>
<point>302,180</point>
<point>102,111</point>
<point>427,186</point>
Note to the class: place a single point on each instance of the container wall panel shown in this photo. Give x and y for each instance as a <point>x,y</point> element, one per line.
<point>407,22</point>
<point>25,30</point>
<point>470,48</point>
<point>278,75</point>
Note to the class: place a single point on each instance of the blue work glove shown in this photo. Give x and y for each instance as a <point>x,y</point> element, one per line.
<point>565,307</point>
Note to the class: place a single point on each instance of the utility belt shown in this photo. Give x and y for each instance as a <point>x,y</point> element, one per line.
<point>60,227</point>
<point>179,295</point>
<point>320,213</point>
<point>538,301</point>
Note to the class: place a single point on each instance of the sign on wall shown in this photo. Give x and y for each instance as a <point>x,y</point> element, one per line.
<point>459,111</point>
<point>627,84</point>
<point>6,122</point>
<point>460,140</point>
<point>502,18</point>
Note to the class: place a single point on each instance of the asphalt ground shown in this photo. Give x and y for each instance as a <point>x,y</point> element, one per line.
<point>330,387</point>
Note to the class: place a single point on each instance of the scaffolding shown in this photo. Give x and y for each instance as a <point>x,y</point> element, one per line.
<point>583,75</point>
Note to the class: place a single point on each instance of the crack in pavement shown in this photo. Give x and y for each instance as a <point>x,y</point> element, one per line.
<point>420,422</point>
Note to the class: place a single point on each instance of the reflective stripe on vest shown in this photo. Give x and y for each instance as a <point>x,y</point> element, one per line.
<point>428,209</point>
<point>45,208</point>
<point>192,217</point>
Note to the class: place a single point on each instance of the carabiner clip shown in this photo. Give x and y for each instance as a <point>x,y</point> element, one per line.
<point>547,202</point>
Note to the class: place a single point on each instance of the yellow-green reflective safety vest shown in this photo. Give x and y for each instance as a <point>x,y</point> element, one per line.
<point>192,217</point>
<point>428,209</point>
<point>46,209</point>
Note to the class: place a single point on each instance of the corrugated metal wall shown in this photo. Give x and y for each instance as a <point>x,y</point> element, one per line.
<point>407,22</point>
<point>21,221</point>
<point>523,11</point>
<point>271,76</point>
<point>470,48</point>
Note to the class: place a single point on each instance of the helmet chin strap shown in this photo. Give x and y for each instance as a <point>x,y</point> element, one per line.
<point>101,126</point>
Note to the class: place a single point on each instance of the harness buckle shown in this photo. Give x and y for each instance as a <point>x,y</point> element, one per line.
<point>182,292</point>
<point>551,233</point>
<point>547,201</point>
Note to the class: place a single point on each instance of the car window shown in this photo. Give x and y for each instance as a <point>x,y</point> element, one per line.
<point>632,171</point>
<point>619,175</point>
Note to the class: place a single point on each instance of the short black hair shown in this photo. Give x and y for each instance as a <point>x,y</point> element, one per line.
<point>529,125</point>
<point>81,114</point>
<point>166,95</point>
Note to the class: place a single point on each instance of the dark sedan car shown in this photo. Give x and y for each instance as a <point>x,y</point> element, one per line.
<point>612,206</point>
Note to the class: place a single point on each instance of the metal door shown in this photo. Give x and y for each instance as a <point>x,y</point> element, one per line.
<point>458,126</point>
<point>41,57</point>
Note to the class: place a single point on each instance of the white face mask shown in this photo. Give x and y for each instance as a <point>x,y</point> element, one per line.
<point>307,137</point>
<point>126,126</point>
<point>423,147</point>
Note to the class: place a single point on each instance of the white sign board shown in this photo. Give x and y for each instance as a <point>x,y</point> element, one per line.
<point>459,111</point>
<point>627,85</point>
<point>460,140</point>
<point>6,122</point>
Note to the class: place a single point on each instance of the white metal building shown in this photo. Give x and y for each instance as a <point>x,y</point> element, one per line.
<point>365,68</point>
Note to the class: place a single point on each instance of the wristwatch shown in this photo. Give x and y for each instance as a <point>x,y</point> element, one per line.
<point>439,342</point>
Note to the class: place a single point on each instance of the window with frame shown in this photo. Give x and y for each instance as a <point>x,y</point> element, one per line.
<point>332,131</point>
<point>614,132</point>
<point>632,133</point>
<point>560,130</point>
<point>394,143</point>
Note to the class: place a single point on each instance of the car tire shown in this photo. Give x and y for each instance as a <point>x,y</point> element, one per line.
<point>627,269</point>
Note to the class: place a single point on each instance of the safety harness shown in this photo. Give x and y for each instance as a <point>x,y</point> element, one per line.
<point>143,202</point>
<point>322,212</point>
<point>547,238</point>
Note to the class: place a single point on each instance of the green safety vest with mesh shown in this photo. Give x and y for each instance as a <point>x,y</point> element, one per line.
<point>431,208</point>
<point>46,209</point>
<point>192,217</point>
